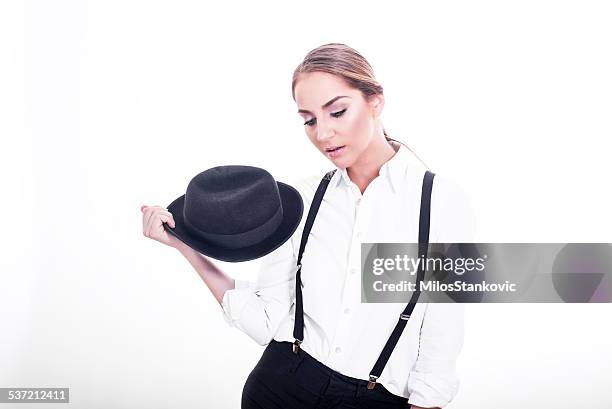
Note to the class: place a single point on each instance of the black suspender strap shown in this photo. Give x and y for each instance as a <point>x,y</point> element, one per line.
<point>298,329</point>
<point>405,315</point>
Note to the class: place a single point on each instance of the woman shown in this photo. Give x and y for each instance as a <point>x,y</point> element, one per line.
<point>373,196</point>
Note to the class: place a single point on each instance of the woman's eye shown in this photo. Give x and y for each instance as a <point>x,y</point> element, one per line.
<point>338,114</point>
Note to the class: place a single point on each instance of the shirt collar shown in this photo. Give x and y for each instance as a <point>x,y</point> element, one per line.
<point>393,170</point>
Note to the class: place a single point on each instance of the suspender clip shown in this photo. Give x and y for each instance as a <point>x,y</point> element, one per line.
<point>296,346</point>
<point>372,382</point>
<point>404,316</point>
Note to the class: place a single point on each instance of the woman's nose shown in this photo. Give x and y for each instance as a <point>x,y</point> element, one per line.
<point>324,132</point>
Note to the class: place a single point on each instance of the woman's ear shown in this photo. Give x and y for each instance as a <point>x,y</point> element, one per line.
<point>377,103</point>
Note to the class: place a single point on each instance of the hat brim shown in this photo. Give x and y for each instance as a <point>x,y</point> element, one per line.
<point>293,208</point>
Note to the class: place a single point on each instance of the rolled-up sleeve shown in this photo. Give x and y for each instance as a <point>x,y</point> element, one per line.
<point>258,308</point>
<point>434,382</point>
<point>236,299</point>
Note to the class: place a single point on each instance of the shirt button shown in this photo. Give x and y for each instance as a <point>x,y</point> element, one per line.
<point>358,201</point>
<point>353,271</point>
<point>359,235</point>
<point>347,310</point>
<point>338,350</point>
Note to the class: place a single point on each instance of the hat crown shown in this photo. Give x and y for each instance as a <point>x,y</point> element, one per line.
<point>231,199</point>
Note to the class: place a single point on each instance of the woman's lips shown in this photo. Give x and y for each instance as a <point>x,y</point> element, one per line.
<point>337,152</point>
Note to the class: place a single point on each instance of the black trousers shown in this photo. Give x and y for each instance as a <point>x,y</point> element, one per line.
<point>284,380</point>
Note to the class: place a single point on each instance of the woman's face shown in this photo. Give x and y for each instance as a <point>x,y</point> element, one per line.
<point>331,122</point>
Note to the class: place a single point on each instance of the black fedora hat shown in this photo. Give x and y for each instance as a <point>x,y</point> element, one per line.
<point>235,213</point>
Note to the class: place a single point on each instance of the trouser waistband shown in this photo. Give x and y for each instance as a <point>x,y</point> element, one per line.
<point>316,371</point>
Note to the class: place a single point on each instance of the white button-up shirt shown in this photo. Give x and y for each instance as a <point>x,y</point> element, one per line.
<point>339,330</point>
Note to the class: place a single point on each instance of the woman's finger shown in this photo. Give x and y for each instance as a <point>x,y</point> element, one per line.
<point>166,212</point>
<point>167,219</point>
<point>147,219</point>
<point>158,232</point>
<point>153,220</point>
<point>151,214</point>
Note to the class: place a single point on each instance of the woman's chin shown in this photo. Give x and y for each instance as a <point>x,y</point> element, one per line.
<point>340,162</point>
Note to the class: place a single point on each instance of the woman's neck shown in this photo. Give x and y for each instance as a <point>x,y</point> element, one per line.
<point>367,167</point>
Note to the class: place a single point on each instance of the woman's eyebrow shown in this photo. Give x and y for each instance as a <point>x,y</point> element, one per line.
<point>325,105</point>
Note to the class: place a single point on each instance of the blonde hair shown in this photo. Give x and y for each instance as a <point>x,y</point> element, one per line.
<point>345,62</point>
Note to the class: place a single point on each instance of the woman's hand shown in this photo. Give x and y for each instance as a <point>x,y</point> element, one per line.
<point>152,227</point>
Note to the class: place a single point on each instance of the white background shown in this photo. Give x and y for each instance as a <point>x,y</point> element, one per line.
<point>108,105</point>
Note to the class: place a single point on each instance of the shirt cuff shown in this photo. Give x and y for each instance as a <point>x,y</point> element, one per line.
<point>236,299</point>
<point>431,389</point>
